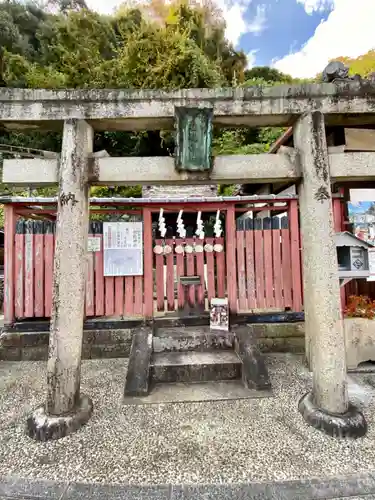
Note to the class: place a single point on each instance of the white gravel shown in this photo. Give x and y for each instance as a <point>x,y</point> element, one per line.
<point>231,441</point>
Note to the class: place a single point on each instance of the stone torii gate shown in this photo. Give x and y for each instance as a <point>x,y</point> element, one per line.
<point>80,112</point>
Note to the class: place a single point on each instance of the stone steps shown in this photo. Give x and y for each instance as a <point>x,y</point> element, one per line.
<point>192,355</point>
<point>197,339</point>
<point>166,367</point>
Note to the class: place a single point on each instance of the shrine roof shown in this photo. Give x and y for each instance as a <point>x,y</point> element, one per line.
<point>20,200</point>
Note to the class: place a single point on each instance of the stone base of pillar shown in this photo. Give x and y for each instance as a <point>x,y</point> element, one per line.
<point>42,427</point>
<point>351,424</point>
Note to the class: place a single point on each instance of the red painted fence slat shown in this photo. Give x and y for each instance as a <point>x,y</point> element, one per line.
<point>241,270</point>
<point>170,275</point>
<point>180,271</point>
<point>129,296</point>
<point>9,263</point>
<point>250,270</point>
<point>119,295</point>
<point>210,263</point>
<point>29,271</point>
<point>220,268</point>
<point>337,214</point>
<point>268,268</point>
<point>90,284</point>
<point>99,280</point>
<point>230,233</point>
<point>259,268</point>
<point>295,256</point>
<point>109,297</point>
<point>148,263</point>
<point>159,278</point>
<point>39,275</point>
<point>49,250</point>
<point>200,272</point>
<point>190,269</point>
<point>138,295</point>
<point>19,275</point>
<point>286,267</point>
<point>277,272</point>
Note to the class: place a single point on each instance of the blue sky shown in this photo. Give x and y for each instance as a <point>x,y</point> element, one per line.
<point>287,27</point>
<point>298,37</point>
<point>359,208</point>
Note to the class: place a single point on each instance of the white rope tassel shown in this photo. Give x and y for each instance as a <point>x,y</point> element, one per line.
<point>217,227</point>
<point>161,225</point>
<point>181,231</point>
<point>200,229</point>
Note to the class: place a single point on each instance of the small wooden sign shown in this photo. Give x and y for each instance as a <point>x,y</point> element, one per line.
<point>219,314</point>
<point>93,244</point>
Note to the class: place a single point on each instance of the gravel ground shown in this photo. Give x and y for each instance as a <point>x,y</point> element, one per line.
<point>231,441</point>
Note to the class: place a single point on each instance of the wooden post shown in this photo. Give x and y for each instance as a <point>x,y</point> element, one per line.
<point>230,230</point>
<point>338,223</point>
<point>148,278</point>
<point>337,214</point>
<point>9,261</point>
<point>295,256</point>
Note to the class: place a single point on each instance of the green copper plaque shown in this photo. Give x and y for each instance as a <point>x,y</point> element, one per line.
<point>193,139</point>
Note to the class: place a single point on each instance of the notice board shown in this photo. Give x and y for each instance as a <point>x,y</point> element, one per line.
<point>123,248</point>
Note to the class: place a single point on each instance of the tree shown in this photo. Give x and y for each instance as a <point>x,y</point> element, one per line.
<point>156,44</point>
<point>363,65</point>
<point>267,74</point>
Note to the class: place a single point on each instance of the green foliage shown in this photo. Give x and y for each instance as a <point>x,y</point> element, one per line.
<point>363,65</point>
<point>156,45</point>
<point>264,74</point>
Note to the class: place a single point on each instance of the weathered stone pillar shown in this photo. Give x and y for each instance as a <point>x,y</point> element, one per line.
<point>64,359</point>
<point>327,407</point>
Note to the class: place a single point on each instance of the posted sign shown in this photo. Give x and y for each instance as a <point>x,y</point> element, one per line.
<point>93,244</point>
<point>123,248</point>
<point>371,264</point>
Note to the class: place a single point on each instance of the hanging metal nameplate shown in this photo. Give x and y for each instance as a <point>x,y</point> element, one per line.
<point>193,139</point>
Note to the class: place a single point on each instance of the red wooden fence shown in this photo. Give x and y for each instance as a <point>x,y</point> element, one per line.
<point>266,255</point>
<point>256,265</point>
<point>34,244</point>
<point>175,257</point>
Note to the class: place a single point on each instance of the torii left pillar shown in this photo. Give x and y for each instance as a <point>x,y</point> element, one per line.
<point>66,409</point>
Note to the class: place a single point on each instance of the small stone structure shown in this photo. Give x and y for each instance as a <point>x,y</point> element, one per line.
<point>360,341</point>
<point>19,345</point>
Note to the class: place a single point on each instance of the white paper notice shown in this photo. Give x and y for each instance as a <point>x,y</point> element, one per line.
<point>93,244</point>
<point>123,248</point>
<point>371,264</point>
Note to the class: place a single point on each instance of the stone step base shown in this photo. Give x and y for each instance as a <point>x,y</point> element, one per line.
<point>197,339</point>
<point>195,366</point>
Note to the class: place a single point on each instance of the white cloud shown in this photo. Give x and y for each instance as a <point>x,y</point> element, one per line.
<point>251,58</point>
<point>316,5</point>
<point>104,7</point>
<point>234,12</point>
<point>348,31</point>
<point>258,24</point>
<point>234,15</point>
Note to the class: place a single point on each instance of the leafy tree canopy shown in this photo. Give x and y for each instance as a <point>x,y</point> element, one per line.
<point>155,44</point>
<point>363,65</point>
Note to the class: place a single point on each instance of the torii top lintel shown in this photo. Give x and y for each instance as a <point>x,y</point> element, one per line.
<point>343,102</point>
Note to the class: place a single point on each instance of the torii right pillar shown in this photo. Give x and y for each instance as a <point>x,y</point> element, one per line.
<point>327,407</point>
